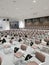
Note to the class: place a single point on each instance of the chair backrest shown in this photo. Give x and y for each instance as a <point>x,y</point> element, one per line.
<point>37,41</point>
<point>23,47</point>
<point>40,56</point>
<point>10,41</point>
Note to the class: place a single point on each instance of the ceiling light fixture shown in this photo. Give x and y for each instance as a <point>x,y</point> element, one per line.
<point>34,1</point>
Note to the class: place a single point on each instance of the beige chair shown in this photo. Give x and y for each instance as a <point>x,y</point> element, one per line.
<point>0,60</point>
<point>40,56</point>
<point>32,63</point>
<point>34,47</point>
<point>46,40</point>
<point>7,46</point>
<point>37,41</point>
<point>18,54</point>
<point>11,41</point>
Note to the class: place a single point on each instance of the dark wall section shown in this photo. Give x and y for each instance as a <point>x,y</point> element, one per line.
<point>14,25</point>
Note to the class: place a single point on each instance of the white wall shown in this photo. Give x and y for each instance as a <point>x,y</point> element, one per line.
<point>5,25</point>
<point>22,24</point>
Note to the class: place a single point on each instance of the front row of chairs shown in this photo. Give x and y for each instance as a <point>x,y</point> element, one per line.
<point>38,55</point>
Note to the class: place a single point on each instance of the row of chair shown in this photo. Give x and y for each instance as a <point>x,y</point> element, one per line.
<point>38,27</point>
<point>38,55</point>
<point>29,33</point>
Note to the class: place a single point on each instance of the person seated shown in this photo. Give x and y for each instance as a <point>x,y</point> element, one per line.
<point>19,35</point>
<point>40,56</point>
<point>16,49</point>
<point>28,57</point>
<point>47,43</point>
<point>14,34</point>
<point>1,35</point>
<point>3,40</point>
<point>40,40</point>
<point>0,40</point>
<point>19,40</point>
<point>31,43</point>
<point>25,36</point>
<point>12,37</point>
<point>5,35</point>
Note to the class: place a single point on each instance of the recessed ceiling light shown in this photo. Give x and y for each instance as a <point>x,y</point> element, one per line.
<point>34,1</point>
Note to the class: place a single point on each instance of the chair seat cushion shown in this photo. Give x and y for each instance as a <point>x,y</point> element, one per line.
<point>40,56</point>
<point>18,54</point>
<point>32,63</point>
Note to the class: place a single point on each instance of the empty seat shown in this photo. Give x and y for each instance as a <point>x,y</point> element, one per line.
<point>40,56</point>
<point>18,54</point>
<point>32,63</point>
<point>37,41</point>
<point>23,47</point>
<point>7,45</point>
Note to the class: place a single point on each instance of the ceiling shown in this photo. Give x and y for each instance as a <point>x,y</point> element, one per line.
<point>23,9</point>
